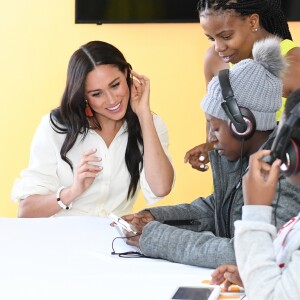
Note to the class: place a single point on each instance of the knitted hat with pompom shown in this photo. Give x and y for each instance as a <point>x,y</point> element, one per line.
<point>256,84</point>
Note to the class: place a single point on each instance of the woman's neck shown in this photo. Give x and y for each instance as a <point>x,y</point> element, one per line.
<point>109,129</point>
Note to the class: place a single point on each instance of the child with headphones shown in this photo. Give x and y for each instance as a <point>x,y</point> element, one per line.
<point>233,27</point>
<point>240,106</point>
<point>268,261</point>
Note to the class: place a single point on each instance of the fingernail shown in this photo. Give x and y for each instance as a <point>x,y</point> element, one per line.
<point>201,158</point>
<point>202,166</point>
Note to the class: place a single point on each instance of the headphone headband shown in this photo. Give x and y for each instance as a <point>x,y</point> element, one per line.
<point>283,137</point>
<point>230,105</point>
<point>284,146</point>
<point>226,90</point>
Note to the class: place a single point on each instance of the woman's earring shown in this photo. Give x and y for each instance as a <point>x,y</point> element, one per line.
<point>255,29</point>
<point>88,110</point>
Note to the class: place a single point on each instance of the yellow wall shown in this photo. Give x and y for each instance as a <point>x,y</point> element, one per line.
<point>37,39</point>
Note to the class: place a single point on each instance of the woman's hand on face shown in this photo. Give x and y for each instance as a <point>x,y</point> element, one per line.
<point>260,182</point>
<point>226,274</point>
<point>86,172</point>
<point>140,93</point>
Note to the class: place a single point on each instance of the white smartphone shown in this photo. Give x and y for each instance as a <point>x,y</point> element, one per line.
<point>198,293</point>
<point>121,223</point>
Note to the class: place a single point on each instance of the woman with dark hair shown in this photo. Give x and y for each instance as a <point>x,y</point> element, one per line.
<point>233,26</point>
<point>92,154</point>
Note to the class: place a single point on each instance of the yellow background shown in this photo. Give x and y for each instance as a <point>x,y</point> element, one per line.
<point>37,40</point>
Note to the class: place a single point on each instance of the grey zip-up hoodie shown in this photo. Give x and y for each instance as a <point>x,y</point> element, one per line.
<point>208,240</point>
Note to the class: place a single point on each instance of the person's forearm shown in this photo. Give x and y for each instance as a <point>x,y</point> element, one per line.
<point>200,209</point>
<point>41,206</point>
<point>184,246</point>
<point>257,265</point>
<point>254,251</point>
<point>159,172</point>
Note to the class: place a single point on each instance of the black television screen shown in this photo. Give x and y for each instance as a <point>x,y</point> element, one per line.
<point>152,11</point>
<point>135,11</point>
<point>291,9</point>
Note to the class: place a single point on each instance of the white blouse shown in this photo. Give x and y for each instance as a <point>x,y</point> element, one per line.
<point>108,193</point>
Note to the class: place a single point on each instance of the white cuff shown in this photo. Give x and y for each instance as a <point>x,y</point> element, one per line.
<point>258,213</point>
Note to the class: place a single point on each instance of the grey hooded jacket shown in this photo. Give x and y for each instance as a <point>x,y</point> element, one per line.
<point>207,239</point>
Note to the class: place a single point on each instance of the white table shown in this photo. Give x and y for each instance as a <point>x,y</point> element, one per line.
<point>70,258</point>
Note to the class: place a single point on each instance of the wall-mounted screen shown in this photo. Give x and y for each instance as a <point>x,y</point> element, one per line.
<point>291,9</point>
<point>135,11</point>
<point>152,11</point>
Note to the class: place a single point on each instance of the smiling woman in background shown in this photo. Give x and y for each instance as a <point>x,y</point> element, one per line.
<point>92,154</point>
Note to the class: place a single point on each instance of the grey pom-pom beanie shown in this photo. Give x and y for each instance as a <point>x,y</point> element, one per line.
<point>256,84</point>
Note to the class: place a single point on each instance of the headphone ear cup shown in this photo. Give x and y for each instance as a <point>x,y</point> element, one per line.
<point>251,125</point>
<point>291,162</point>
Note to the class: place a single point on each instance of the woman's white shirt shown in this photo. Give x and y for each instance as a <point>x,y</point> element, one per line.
<point>108,193</point>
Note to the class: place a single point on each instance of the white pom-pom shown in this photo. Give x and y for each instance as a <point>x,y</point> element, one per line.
<point>268,53</point>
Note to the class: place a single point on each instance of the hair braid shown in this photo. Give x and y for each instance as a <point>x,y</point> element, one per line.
<point>271,15</point>
<point>274,20</point>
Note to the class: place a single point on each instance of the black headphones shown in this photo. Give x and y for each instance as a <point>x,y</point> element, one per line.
<point>242,121</point>
<point>285,147</point>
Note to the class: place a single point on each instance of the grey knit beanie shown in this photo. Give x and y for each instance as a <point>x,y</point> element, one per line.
<point>256,84</point>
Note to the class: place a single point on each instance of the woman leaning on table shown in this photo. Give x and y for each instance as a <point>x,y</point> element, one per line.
<point>233,27</point>
<point>92,154</point>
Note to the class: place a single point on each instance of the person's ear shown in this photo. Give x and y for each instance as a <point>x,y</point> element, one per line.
<point>254,22</point>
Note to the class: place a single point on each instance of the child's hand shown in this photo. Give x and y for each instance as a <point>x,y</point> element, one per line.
<point>260,182</point>
<point>227,274</point>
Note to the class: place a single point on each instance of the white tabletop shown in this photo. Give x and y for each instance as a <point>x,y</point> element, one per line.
<point>70,258</point>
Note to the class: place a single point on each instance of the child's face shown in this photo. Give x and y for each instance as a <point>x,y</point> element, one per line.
<point>224,142</point>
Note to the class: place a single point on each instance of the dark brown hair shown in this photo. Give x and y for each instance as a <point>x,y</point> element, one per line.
<point>70,118</point>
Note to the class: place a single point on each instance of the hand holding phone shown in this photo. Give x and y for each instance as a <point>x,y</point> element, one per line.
<point>122,223</point>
